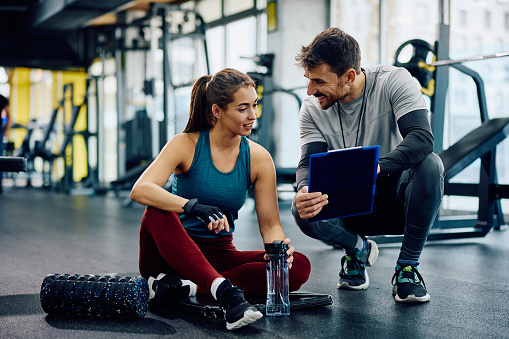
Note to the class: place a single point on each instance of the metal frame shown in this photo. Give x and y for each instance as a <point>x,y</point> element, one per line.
<point>489,215</point>
<point>156,19</point>
<point>162,11</point>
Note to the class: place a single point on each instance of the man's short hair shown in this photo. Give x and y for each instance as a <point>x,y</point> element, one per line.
<point>333,47</point>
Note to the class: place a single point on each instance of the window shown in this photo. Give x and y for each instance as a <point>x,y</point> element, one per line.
<point>460,97</point>
<point>216,37</point>
<point>241,45</point>
<point>487,19</point>
<point>360,19</point>
<point>210,10</point>
<point>235,6</point>
<point>234,32</point>
<point>422,14</point>
<point>463,17</point>
<point>478,45</point>
<point>460,43</point>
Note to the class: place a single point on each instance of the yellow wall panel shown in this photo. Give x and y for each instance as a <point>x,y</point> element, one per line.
<point>19,101</point>
<point>79,159</point>
<point>26,86</point>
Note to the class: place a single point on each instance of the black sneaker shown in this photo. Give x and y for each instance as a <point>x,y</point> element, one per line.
<point>166,289</point>
<point>409,286</point>
<point>353,275</point>
<point>237,311</point>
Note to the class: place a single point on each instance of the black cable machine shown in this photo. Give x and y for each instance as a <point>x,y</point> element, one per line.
<point>50,151</point>
<point>26,149</point>
<point>47,148</point>
<point>67,150</point>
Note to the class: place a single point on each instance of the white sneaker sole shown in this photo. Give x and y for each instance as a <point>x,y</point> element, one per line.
<point>413,299</point>
<point>151,293</point>
<point>249,317</point>
<point>373,254</point>
<point>346,286</point>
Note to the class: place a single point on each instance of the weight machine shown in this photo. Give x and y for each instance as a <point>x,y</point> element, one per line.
<point>49,150</point>
<point>430,66</point>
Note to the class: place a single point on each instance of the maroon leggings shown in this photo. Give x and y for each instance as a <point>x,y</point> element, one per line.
<point>165,247</point>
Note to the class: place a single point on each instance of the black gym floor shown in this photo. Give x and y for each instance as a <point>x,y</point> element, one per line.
<point>42,232</point>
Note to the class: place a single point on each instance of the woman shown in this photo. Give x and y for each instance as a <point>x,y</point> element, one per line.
<point>214,165</point>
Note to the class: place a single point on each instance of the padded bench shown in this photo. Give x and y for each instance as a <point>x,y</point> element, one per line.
<point>13,164</point>
<point>474,145</point>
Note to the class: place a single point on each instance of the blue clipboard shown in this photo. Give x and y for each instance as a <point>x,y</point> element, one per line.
<point>348,176</point>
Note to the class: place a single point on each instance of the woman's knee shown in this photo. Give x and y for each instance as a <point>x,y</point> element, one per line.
<point>154,218</point>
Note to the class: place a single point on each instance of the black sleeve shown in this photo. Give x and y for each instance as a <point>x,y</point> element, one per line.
<point>416,145</point>
<point>302,174</point>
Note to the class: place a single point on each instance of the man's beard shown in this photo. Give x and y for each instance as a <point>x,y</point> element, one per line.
<point>327,103</point>
<point>332,99</point>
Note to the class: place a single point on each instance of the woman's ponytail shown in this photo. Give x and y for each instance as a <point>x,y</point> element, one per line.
<point>199,117</point>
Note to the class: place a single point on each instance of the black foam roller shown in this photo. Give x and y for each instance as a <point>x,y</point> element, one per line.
<point>93,295</point>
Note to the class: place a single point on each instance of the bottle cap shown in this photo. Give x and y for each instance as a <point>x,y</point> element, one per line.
<point>276,247</point>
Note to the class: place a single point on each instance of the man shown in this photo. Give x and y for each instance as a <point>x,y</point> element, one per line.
<point>5,118</point>
<point>350,106</point>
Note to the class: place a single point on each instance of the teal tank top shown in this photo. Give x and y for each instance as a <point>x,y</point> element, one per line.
<point>227,191</point>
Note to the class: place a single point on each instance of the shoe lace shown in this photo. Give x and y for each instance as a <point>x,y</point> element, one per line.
<point>232,297</point>
<point>407,274</point>
<point>353,265</point>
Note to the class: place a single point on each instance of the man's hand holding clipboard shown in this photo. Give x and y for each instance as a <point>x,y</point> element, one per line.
<point>341,183</point>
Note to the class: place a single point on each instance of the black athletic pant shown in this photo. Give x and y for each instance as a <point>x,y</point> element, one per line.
<point>405,203</point>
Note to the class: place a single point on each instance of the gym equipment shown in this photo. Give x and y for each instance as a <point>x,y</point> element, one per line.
<point>263,132</point>
<point>416,65</point>
<point>475,58</point>
<point>480,143</point>
<point>24,151</point>
<point>13,164</point>
<point>208,307</point>
<point>31,149</point>
<point>93,295</point>
<point>138,140</point>
<point>168,29</point>
<point>47,149</point>
<point>65,150</point>
<point>423,70</point>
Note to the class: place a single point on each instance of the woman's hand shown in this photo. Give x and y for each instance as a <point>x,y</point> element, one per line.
<point>212,216</point>
<point>219,225</point>
<point>289,253</point>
